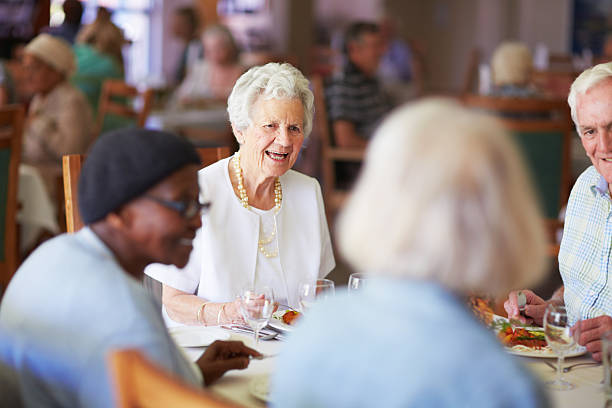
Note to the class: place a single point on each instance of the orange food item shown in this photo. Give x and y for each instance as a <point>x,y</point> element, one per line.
<point>290,316</point>
<point>480,307</point>
<point>520,336</point>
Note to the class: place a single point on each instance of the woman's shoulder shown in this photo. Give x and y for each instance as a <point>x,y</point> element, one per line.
<point>300,181</point>
<point>213,174</point>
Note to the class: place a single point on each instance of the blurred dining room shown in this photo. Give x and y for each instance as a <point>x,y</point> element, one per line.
<point>185,215</point>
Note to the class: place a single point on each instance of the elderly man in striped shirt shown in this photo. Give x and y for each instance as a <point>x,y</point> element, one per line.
<point>585,257</point>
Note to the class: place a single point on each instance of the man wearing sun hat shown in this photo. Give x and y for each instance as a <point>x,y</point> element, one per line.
<point>59,119</point>
<point>79,296</point>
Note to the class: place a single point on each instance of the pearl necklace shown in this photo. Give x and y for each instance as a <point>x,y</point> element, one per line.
<point>244,200</point>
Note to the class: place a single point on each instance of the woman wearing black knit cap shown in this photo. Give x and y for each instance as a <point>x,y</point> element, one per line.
<point>78,296</point>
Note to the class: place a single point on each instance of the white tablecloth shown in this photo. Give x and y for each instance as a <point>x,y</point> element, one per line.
<point>214,119</point>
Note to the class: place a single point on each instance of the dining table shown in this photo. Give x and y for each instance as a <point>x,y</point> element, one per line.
<point>237,385</point>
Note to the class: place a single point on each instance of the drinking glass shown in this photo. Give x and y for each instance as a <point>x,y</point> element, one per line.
<point>256,306</point>
<point>309,292</point>
<point>606,358</point>
<point>560,340</point>
<point>357,281</point>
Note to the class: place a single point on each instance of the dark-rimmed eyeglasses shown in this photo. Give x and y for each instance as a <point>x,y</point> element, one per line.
<point>186,209</point>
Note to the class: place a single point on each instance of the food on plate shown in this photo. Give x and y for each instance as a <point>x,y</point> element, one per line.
<point>290,317</point>
<point>521,337</point>
<point>482,309</point>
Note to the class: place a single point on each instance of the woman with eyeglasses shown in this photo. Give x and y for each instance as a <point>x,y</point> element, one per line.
<point>266,225</point>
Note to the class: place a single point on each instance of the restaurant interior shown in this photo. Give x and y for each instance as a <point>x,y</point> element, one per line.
<point>457,220</point>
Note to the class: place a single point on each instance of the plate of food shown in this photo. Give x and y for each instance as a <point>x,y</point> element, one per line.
<point>284,320</point>
<point>259,387</point>
<point>197,336</point>
<point>528,341</point>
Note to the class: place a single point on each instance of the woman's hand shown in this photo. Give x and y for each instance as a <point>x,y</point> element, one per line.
<point>232,313</point>
<point>222,356</point>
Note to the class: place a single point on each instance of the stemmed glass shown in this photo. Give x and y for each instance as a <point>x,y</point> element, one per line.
<point>561,340</point>
<point>357,282</point>
<point>309,292</point>
<point>256,306</point>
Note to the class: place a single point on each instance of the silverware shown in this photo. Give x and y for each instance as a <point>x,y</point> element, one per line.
<point>569,368</point>
<point>263,356</point>
<point>263,335</point>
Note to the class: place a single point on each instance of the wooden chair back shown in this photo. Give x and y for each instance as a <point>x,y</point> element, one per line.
<point>117,99</point>
<point>330,154</point>
<point>73,163</point>
<point>517,105</point>
<point>11,130</point>
<point>138,383</point>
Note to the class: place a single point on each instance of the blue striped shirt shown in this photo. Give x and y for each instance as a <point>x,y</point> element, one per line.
<point>584,257</point>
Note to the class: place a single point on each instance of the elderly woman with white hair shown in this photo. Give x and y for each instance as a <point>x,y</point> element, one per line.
<point>59,119</point>
<point>511,66</point>
<point>266,225</point>
<point>443,209</point>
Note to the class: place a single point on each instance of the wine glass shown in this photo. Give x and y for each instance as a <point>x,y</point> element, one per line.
<point>357,281</point>
<point>256,306</point>
<point>309,292</point>
<point>561,340</point>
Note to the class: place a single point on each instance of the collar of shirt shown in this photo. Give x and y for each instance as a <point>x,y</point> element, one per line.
<point>600,188</point>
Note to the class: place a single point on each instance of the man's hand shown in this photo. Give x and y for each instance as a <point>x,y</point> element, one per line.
<point>222,356</point>
<point>534,309</point>
<point>590,331</point>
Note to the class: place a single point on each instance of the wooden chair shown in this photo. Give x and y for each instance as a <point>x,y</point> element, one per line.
<point>11,130</point>
<point>73,163</point>
<point>138,383</point>
<point>330,154</point>
<point>117,99</point>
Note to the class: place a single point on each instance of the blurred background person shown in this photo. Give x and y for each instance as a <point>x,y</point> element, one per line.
<point>214,77</point>
<point>73,12</point>
<point>59,119</point>
<point>186,28</point>
<point>470,226</point>
<point>355,100</point>
<point>400,69</point>
<point>511,67</point>
<point>104,36</point>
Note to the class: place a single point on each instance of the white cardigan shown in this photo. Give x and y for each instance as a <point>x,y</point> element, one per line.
<point>225,248</point>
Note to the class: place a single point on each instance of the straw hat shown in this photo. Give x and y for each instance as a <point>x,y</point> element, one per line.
<point>54,51</point>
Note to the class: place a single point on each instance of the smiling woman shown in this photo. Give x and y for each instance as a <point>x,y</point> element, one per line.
<point>266,225</point>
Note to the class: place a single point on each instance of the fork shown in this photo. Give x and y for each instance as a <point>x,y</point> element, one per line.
<point>570,367</point>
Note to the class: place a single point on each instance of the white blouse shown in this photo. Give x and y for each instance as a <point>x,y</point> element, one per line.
<point>224,258</point>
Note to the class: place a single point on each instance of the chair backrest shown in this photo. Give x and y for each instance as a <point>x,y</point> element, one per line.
<point>517,105</point>
<point>117,99</point>
<point>138,383</point>
<point>11,129</point>
<point>73,163</point>
<point>330,154</point>
<point>546,149</point>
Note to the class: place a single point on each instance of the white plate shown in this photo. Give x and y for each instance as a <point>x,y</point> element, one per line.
<point>277,321</point>
<point>259,387</point>
<point>545,352</point>
<point>195,336</point>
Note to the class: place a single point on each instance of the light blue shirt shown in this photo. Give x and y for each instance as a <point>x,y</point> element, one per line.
<point>584,257</point>
<point>398,344</point>
<point>68,305</point>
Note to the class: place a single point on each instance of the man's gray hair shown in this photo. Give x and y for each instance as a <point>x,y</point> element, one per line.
<point>270,81</point>
<point>585,81</point>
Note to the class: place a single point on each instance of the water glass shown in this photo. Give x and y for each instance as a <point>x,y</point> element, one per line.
<point>357,281</point>
<point>309,292</point>
<point>256,306</point>
<point>561,340</point>
<point>606,359</point>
